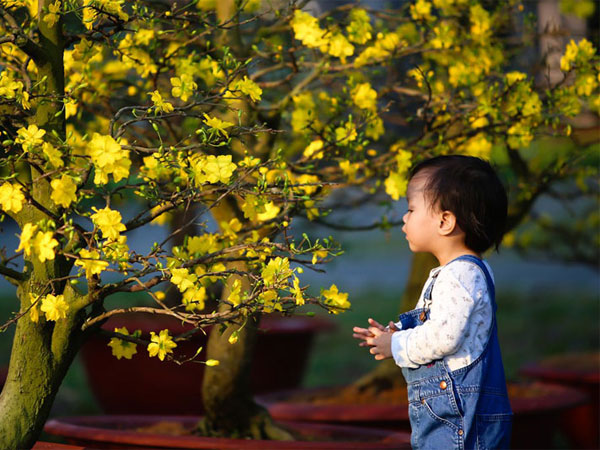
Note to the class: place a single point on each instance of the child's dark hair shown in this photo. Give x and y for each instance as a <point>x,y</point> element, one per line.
<point>470,189</point>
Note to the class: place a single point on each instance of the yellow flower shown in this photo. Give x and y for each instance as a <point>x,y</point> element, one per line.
<point>90,261</point>
<point>395,185</point>
<point>577,52</point>
<point>161,345</point>
<point>159,103</point>
<point>306,29</point>
<point>183,279</point>
<point>478,146</point>
<point>297,291</point>
<point>276,271</point>
<point>304,111</point>
<point>109,222</point>
<point>34,311</point>
<point>312,151</point>
<point>121,348</point>
<point>52,17</point>
<point>64,191</point>
<point>54,155</point>
<point>345,134</point>
<point>250,88</point>
<point>11,197</point>
<point>109,158</point>
<point>89,15</point>
<point>374,128</point>
<point>421,10</point>
<point>194,298</point>
<point>340,47</point>
<point>364,96</point>
<point>30,137</point>
<point>480,23</point>
<point>26,235</point>
<point>183,86</point>
<point>43,245</point>
<point>270,211</point>
<point>337,300</point>
<point>235,297</point>
<point>217,124</point>
<point>212,362</point>
<point>218,168</point>
<point>54,307</point>
<point>359,29</point>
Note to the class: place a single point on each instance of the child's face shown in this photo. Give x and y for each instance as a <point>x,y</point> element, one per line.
<point>421,221</point>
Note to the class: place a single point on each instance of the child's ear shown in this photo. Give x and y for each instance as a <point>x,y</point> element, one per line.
<point>447,223</point>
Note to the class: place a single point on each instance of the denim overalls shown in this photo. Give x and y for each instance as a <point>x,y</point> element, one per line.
<point>464,409</point>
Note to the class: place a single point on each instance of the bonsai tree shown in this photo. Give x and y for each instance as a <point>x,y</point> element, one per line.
<point>242,116</point>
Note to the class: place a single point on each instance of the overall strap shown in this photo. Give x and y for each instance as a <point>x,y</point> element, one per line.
<point>490,283</point>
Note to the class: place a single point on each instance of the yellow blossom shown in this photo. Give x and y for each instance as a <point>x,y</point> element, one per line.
<point>217,124</point>
<point>183,86</point>
<point>235,296</point>
<point>30,137</point>
<point>11,197</point>
<point>160,105</point>
<point>312,151</point>
<point>53,154</point>
<point>161,345</point>
<point>421,10</point>
<point>54,307</point>
<point>109,222</point>
<point>276,271</point>
<point>297,292</point>
<point>270,212</point>
<point>395,185</point>
<point>109,158</point>
<point>52,17</point>
<point>359,29</point>
<point>212,362</point>
<point>335,299</point>
<point>218,169</point>
<point>26,238</point>
<point>121,348</point>
<point>478,146</point>
<point>64,191</point>
<point>194,298</point>
<point>306,29</point>
<point>183,279</point>
<point>91,262</point>
<point>43,245</point>
<point>345,134</point>
<point>34,310</point>
<point>339,47</point>
<point>89,15</point>
<point>249,87</point>
<point>364,96</point>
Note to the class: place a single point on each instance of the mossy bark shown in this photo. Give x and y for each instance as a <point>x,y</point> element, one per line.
<point>40,356</point>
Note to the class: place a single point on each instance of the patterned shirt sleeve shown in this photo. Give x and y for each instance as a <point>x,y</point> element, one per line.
<point>457,293</point>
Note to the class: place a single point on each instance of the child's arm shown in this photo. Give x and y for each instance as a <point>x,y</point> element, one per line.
<point>456,296</point>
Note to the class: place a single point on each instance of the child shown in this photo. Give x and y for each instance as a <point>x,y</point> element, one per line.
<point>448,347</point>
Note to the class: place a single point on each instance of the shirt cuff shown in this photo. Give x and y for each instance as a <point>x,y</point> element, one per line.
<point>400,349</point>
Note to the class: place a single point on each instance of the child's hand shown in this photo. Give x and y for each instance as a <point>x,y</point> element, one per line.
<point>364,333</point>
<point>380,342</point>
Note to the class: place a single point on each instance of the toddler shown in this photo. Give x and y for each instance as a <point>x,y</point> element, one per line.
<point>448,346</point>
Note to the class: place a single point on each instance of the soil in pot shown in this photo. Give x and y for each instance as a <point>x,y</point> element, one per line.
<point>538,408</point>
<point>133,432</point>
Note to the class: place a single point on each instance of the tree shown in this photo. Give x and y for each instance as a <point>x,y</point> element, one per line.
<point>252,114</point>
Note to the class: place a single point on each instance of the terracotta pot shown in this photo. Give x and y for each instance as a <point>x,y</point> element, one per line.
<point>123,386</point>
<point>538,408</point>
<point>120,432</point>
<point>580,371</point>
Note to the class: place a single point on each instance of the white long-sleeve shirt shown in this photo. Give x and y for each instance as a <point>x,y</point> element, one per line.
<point>459,324</point>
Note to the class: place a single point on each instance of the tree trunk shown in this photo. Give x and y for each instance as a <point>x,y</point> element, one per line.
<point>40,357</point>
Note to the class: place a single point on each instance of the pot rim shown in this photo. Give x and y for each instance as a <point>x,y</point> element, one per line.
<point>89,428</point>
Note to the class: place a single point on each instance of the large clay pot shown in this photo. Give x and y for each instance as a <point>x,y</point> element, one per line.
<point>538,409</point>
<point>580,371</point>
<point>144,385</point>
<point>133,432</point>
